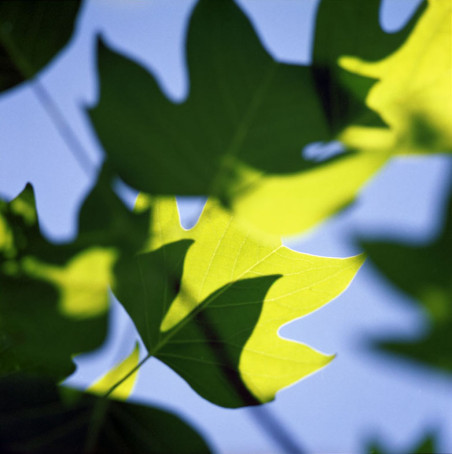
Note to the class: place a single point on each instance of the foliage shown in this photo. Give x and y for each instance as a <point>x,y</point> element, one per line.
<point>425,446</point>
<point>31,33</point>
<point>423,272</point>
<point>209,301</point>
<point>37,416</point>
<point>261,113</point>
<point>54,297</point>
<point>214,298</point>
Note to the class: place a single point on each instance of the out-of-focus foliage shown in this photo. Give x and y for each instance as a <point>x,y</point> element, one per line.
<point>108,383</point>
<point>425,446</point>
<point>54,298</point>
<point>240,133</point>
<point>424,273</point>
<point>36,416</point>
<point>351,28</point>
<point>414,93</point>
<point>209,302</point>
<point>31,33</point>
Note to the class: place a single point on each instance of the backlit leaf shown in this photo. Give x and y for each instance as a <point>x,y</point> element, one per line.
<point>115,375</point>
<point>414,94</point>
<point>54,298</point>
<point>240,133</point>
<point>209,303</point>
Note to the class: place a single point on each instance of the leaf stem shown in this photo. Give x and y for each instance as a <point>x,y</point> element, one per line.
<point>131,372</point>
<point>62,126</point>
<point>26,71</point>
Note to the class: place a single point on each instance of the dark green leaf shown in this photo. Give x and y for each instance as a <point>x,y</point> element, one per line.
<point>36,417</point>
<point>31,33</point>
<point>424,273</point>
<point>54,298</point>
<point>247,117</point>
<point>243,108</point>
<point>425,446</point>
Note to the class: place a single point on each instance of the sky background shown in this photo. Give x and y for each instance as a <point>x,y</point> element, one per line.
<point>362,394</point>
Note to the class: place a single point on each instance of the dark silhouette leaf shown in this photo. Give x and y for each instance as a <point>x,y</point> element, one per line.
<point>239,134</point>
<point>31,34</point>
<point>36,416</point>
<point>424,273</point>
<point>425,446</point>
<point>54,298</point>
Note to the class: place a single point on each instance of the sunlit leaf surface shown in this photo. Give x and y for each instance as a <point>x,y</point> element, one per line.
<point>54,298</point>
<point>115,375</point>
<point>240,133</point>
<point>209,303</point>
<point>414,93</point>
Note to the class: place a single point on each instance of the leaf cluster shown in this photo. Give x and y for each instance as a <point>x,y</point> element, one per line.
<point>209,301</point>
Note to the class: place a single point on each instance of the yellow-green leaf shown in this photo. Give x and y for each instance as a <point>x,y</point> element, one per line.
<point>300,201</point>
<point>209,303</point>
<point>414,92</point>
<point>115,375</point>
<point>54,298</point>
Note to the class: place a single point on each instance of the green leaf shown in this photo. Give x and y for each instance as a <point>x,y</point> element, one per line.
<point>351,28</point>
<point>413,93</point>
<point>31,34</point>
<point>425,446</point>
<point>209,302</point>
<point>54,298</point>
<point>108,383</point>
<point>36,417</point>
<point>425,274</point>
<point>240,133</point>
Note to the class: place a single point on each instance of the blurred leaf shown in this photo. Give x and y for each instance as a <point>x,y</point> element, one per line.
<point>38,417</point>
<point>425,446</point>
<point>424,273</point>
<point>115,375</point>
<point>209,302</point>
<point>54,298</point>
<point>240,133</point>
<point>351,28</point>
<point>414,94</point>
<point>31,34</point>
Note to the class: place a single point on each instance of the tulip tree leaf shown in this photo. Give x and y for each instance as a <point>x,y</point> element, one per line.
<point>110,380</point>
<point>37,417</point>
<point>54,298</point>
<point>239,134</point>
<point>351,28</point>
<point>413,93</point>
<point>424,273</point>
<point>209,302</point>
<point>31,34</point>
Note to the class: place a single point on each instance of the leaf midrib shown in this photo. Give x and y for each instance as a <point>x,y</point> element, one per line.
<point>201,306</point>
<point>239,135</point>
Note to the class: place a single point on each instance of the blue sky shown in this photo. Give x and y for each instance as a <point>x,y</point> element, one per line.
<point>361,394</point>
